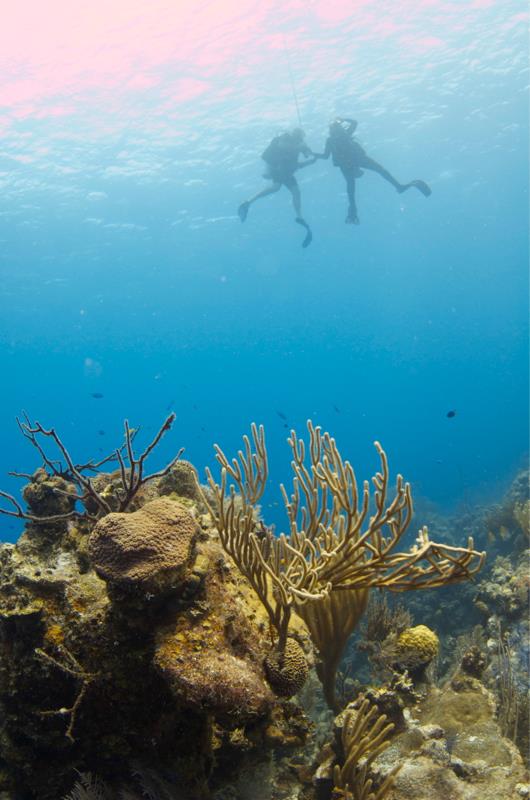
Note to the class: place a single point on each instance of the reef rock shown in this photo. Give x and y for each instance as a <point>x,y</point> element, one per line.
<point>453,748</point>
<point>211,653</point>
<point>48,495</point>
<point>182,481</point>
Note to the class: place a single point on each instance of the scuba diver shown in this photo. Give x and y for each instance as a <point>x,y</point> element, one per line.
<point>281,157</point>
<point>349,156</point>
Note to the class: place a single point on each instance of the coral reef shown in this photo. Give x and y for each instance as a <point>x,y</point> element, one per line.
<point>453,748</point>
<point>336,550</point>
<point>448,745</point>
<point>157,640</point>
<point>130,641</point>
<point>505,590</point>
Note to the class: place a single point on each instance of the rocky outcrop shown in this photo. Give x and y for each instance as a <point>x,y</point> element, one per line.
<point>453,748</point>
<point>143,650</point>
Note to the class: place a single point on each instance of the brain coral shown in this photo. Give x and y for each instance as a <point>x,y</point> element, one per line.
<point>149,548</point>
<point>416,647</point>
<point>287,673</point>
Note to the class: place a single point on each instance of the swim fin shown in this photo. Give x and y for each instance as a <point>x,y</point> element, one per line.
<point>309,236</point>
<point>422,187</point>
<point>243,210</point>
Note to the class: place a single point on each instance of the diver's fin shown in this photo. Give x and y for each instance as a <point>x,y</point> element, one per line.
<point>422,187</point>
<point>243,210</point>
<point>309,236</point>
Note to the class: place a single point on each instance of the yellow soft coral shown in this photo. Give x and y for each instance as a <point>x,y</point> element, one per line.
<point>416,647</point>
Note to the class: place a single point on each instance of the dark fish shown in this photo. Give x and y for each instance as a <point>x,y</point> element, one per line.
<point>337,409</point>
<point>101,433</point>
<point>451,414</point>
<point>97,395</point>
<point>282,415</point>
<point>285,425</point>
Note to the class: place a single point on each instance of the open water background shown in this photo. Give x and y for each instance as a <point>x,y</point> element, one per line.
<point>128,137</point>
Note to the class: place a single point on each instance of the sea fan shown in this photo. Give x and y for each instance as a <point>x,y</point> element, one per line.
<point>148,785</point>
<point>154,787</point>
<point>89,787</point>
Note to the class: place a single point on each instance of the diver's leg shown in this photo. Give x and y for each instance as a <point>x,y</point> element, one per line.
<point>292,184</point>
<point>351,218</point>
<point>421,186</point>
<point>369,163</point>
<point>244,207</point>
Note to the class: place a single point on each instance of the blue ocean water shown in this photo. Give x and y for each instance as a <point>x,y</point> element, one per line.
<point>125,271</point>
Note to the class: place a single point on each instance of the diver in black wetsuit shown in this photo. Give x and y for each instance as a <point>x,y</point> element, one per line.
<point>281,157</point>
<point>349,156</point>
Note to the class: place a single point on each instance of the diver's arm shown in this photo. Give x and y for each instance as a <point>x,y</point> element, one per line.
<point>302,164</point>
<point>326,153</point>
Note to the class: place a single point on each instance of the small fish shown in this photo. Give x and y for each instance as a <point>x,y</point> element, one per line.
<point>285,425</point>
<point>281,415</point>
<point>450,414</point>
<point>337,409</point>
<point>97,395</point>
<point>101,433</point>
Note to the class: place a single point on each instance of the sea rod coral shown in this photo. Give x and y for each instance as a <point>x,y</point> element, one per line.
<point>73,482</point>
<point>341,542</point>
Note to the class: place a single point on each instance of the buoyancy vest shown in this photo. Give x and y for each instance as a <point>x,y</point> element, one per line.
<point>282,153</point>
<point>345,151</point>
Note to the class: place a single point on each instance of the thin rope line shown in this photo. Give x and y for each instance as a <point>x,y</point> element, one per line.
<point>291,76</point>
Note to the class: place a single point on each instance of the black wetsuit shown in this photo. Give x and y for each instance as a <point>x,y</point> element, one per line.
<point>281,157</point>
<point>349,156</point>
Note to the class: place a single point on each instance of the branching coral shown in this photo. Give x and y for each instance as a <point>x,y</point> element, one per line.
<point>71,666</point>
<point>276,571</point>
<point>364,736</point>
<point>337,549</point>
<point>83,491</point>
<point>330,621</point>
